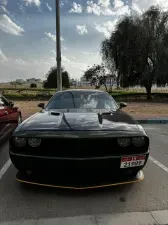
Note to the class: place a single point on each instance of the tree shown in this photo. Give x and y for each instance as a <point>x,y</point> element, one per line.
<point>33,85</point>
<point>51,81</point>
<point>15,83</point>
<point>139,49</point>
<point>96,74</point>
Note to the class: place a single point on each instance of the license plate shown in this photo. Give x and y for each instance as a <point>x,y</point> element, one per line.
<point>132,161</point>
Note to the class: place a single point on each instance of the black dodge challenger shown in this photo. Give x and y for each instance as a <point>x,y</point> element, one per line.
<point>80,139</point>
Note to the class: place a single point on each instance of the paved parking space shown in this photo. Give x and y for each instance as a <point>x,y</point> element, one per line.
<point>30,202</point>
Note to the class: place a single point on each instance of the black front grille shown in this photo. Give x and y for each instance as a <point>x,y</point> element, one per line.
<point>82,148</point>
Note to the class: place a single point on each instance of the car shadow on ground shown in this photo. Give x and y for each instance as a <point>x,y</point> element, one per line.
<point>120,190</point>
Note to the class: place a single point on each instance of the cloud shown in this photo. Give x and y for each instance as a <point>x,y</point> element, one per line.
<point>90,53</point>
<point>136,8</point>
<point>76,8</point>
<point>20,61</point>
<point>32,2</point>
<point>53,51</point>
<point>106,28</point>
<point>49,7</point>
<point>3,58</point>
<point>4,2</point>
<point>16,68</point>
<point>142,5</point>
<point>118,3</point>
<point>65,59</point>
<point>72,64</point>
<point>61,4</point>
<point>124,10</point>
<point>103,7</point>
<point>3,9</point>
<point>52,36</point>
<point>64,48</point>
<point>93,8</point>
<point>8,26</point>
<point>81,29</point>
<point>104,3</point>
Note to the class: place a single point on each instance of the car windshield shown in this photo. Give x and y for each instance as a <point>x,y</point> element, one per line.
<point>82,100</point>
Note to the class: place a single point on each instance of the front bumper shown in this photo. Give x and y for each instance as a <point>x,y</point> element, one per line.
<point>77,173</point>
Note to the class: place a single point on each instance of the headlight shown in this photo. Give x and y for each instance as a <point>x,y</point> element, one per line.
<point>34,142</point>
<point>124,142</point>
<point>20,142</point>
<point>138,141</point>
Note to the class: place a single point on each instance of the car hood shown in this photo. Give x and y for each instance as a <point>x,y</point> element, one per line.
<point>78,121</point>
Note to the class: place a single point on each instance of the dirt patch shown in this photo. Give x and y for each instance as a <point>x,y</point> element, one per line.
<point>28,107</point>
<point>136,109</point>
<point>143,109</point>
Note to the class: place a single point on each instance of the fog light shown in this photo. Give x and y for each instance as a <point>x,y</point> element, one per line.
<point>34,142</point>
<point>138,141</point>
<point>124,142</point>
<point>20,142</point>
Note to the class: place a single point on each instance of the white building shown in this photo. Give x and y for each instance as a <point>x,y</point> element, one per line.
<point>33,81</point>
<point>84,81</point>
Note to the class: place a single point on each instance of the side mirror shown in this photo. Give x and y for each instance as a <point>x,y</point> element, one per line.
<point>11,104</point>
<point>41,105</point>
<point>123,105</point>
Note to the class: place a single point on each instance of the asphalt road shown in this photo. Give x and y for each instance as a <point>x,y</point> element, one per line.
<point>31,202</point>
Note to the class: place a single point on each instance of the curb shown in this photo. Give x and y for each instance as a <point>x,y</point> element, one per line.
<point>133,218</point>
<point>152,121</point>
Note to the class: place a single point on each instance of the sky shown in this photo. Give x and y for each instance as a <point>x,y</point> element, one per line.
<point>28,34</point>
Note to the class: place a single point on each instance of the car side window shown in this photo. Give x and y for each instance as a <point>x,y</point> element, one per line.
<point>61,101</point>
<point>3,101</point>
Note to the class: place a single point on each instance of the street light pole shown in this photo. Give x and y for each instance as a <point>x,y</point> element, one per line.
<point>58,46</point>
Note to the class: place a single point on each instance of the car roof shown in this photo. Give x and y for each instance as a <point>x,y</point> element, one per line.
<point>82,90</point>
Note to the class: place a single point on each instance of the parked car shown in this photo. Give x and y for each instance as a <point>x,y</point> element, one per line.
<point>10,117</point>
<point>80,139</point>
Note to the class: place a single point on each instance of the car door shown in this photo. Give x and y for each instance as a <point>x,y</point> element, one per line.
<point>4,120</point>
<point>12,113</point>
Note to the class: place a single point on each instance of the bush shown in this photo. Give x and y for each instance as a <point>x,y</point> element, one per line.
<point>51,81</point>
<point>33,85</point>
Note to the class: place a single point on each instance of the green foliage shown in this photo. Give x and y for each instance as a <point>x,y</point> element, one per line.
<point>15,83</point>
<point>96,74</point>
<point>51,81</point>
<point>139,49</point>
<point>120,96</point>
<point>33,85</point>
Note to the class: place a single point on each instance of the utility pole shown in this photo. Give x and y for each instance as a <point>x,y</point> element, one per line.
<point>58,46</point>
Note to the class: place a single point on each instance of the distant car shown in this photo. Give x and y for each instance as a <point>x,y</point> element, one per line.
<point>10,117</point>
<point>81,138</point>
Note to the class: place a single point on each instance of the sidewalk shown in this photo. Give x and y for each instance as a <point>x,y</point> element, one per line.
<point>133,218</point>
<point>151,119</point>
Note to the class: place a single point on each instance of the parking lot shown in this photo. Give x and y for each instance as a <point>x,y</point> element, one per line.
<point>31,202</point>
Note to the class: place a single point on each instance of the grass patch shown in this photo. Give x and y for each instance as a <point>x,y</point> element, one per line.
<point>23,94</point>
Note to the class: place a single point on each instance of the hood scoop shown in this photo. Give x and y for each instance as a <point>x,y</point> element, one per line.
<point>100,118</point>
<point>54,113</point>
